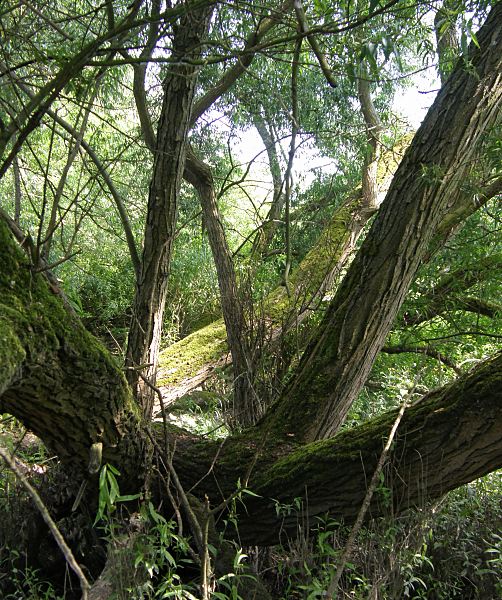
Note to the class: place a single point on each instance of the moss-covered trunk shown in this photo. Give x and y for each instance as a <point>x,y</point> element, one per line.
<point>63,384</point>
<point>446,439</point>
<point>56,377</point>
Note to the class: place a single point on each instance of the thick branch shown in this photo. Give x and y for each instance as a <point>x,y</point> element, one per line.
<point>169,164</point>
<point>56,377</point>
<point>448,438</point>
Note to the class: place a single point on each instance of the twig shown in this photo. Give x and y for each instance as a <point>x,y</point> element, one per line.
<point>333,586</point>
<point>70,559</point>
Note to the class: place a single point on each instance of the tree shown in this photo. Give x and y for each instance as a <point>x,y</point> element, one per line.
<point>62,384</point>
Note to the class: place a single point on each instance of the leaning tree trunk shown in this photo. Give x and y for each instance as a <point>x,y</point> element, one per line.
<point>169,164</point>
<point>198,173</point>
<point>428,182</point>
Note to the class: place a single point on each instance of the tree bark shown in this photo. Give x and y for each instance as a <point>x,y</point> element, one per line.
<point>57,378</point>
<point>446,439</point>
<point>199,175</point>
<point>169,165</point>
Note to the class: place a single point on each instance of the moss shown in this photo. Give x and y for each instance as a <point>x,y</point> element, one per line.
<point>207,345</point>
<point>12,352</point>
<point>389,160</point>
<point>186,357</point>
<point>71,391</point>
<point>449,404</point>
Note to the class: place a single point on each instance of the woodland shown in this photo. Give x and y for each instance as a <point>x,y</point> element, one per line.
<point>250,314</point>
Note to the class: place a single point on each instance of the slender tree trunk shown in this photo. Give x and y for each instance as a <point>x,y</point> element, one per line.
<point>374,128</point>
<point>427,183</point>
<point>17,189</point>
<point>200,176</point>
<point>265,235</point>
<point>169,165</point>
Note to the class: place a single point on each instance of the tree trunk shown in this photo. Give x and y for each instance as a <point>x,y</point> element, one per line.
<point>265,235</point>
<point>448,438</point>
<point>57,378</point>
<point>65,387</point>
<point>200,176</point>
<point>169,165</point>
<point>427,183</point>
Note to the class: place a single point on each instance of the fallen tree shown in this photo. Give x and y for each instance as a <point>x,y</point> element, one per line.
<point>186,364</point>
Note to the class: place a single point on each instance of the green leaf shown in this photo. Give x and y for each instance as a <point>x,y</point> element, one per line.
<point>374,4</point>
<point>351,72</point>
<point>114,487</point>
<point>128,497</point>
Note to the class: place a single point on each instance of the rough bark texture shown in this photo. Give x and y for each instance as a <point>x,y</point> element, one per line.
<point>446,439</point>
<point>169,165</point>
<point>56,377</point>
<point>374,128</point>
<point>427,183</point>
<point>63,385</point>
<point>199,175</point>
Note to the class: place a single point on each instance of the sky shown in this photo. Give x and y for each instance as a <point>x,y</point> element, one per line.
<point>411,103</point>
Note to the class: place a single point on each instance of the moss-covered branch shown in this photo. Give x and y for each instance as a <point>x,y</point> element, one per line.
<point>446,439</point>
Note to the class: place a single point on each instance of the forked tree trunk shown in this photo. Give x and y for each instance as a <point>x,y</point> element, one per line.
<point>200,176</point>
<point>62,384</point>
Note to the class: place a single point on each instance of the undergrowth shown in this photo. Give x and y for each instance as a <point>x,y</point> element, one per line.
<point>448,551</point>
